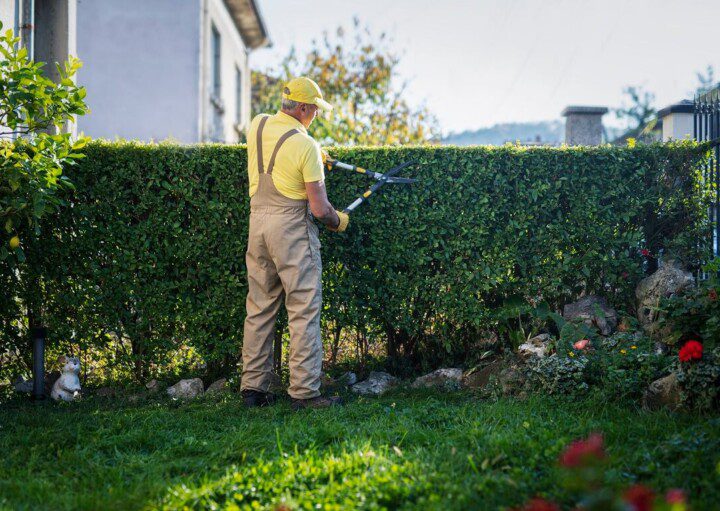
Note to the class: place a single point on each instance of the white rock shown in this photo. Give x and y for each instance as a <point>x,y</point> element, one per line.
<point>537,346</point>
<point>377,383</point>
<point>187,389</point>
<point>445,377</point>
<point>217,386</point>
<point>349,378</point>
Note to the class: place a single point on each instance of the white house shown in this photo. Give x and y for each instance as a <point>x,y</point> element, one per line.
<point>153,69</point>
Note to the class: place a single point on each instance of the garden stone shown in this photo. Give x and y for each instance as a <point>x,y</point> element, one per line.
<point>153,386</point>
<point>186,389</point>
<point>663,393</point>
<point>377,383</point>
<point>537,346</point>
<point>477,379</point>
<point>511,380</point>
<point>348,379</point>
<point>217,386</point>
<point>594,311</point>
<point>667,281</point>
<point>447,378</point>
<point>23,386</point>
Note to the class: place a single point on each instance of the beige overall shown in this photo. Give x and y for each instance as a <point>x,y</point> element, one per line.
<point>283,259</point>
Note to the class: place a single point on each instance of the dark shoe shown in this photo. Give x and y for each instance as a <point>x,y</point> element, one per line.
<point>253,398</point>
<point>316,402</point>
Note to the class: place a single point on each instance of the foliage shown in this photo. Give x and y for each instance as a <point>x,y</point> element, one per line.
<point>706,81</point>
<point>627,363</point>
<point>695,311</point>
<point>623,365</point>
<point>700,381</point>
<point>558,374</point>
<point>152,246</point>
<point>357,72</point>
<point>34,151</point>
<point>637,110</point>
<point>583,465</point>
<point>449,451</point>
<point>35,108</point>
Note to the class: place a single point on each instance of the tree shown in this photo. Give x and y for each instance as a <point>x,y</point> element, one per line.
<point>706,81</point>
<point>33,112</point>
<point>357,73</point>
<point>637,110</point>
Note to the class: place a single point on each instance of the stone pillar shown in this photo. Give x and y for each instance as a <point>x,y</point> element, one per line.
<point>583,124</point>
<point>677,121</point>
<point>55,36</point>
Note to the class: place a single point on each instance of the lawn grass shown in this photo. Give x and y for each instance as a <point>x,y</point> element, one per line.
<point>412,450</point>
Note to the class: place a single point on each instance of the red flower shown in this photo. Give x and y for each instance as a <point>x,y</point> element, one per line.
<point>580,452</point>
<point>675,496</point>
<point>692,350</point>
<point>712,295</point>
<point>639,497</point>
<point>645,252</point>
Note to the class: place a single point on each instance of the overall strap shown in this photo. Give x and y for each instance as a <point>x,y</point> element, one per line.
<point>258,145</point>
<point>280,142</point>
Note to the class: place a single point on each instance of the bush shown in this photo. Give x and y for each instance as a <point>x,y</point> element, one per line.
<point>695,312</point>
<point>700,381</point>
<point>152,245</point>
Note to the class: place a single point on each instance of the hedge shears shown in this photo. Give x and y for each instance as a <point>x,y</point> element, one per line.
<point>382,179</point>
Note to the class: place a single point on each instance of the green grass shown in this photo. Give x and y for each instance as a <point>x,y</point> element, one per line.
<point>419,450</point>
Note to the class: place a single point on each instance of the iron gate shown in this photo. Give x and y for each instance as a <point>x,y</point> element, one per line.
<point>706,128</point>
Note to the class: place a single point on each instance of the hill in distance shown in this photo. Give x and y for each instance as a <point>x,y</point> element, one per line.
<point>542,132</point>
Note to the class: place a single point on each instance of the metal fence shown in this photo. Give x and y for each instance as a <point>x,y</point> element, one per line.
<point>706,128</point>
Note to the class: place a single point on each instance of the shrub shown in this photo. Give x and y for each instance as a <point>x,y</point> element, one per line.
<point>695,311</point>
<point>699,381</point>
<point>559,374</point>
<point>34,152</point>
<point>152,247</point>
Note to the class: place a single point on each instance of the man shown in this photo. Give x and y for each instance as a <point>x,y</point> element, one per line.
<point>285,169</point>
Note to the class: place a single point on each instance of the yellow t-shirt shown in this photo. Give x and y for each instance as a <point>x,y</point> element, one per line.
<point>298,161</point>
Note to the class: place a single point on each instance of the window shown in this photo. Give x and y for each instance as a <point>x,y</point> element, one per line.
<point>215,49</point>
<point>238,95</point>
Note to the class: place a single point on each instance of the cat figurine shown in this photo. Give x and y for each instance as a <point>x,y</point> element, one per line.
<point>67,387</point>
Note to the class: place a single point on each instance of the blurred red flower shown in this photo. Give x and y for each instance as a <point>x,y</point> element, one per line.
<point>675,496</point>
<point>645,252</point>
<point>639,497</point>
<point>712,295</point>
<point>691,350</point>
<point>580,452</point>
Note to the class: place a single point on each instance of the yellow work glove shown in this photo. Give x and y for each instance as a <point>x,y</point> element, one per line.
<point>326,159</point>
<point>344,221</point>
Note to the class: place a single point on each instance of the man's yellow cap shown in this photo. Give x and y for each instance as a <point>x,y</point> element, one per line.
<point>305,90</point>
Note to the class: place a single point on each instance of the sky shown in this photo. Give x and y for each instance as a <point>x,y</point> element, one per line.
<point>477,63</point>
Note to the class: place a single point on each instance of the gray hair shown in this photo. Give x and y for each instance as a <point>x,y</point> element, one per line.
<point>289,104</point>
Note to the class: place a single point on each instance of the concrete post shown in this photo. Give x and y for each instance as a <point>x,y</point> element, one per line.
<point>55,36</point>
<point>677,121</point>
<point>583,124</point>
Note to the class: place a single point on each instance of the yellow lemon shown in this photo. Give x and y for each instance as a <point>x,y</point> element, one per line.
<point>14,242</point>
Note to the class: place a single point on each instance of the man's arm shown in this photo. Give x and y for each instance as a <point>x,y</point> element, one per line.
<point>320,205</point>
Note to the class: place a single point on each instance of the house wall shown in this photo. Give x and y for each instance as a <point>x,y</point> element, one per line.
<point>141,66</point>
<point>678,126</point>
<point>222,124</point>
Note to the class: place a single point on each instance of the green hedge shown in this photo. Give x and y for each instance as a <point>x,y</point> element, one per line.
<point>152,245</point>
